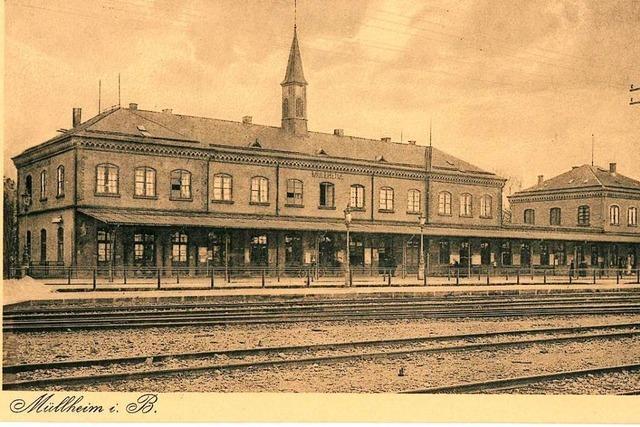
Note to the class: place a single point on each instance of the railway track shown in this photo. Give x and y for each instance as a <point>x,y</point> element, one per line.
<point>506,384</point>
<point>39,374</point>
<point>43,319</point>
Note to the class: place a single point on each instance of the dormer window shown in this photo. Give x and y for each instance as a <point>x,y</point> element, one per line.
<point>143,130</point>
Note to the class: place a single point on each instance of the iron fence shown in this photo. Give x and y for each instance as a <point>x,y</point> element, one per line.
<point>311,275</point>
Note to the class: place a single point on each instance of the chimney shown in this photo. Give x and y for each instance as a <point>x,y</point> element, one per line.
<point>77,117</point>
<point>133,106</point>
<point>247,120</point>
<point>574,167</point>
<point>385,139</point>
<point>540,179</point>
<point>338,132</point>
<point>612,168</point>
<point>167,111</point>
<point>412,142</point>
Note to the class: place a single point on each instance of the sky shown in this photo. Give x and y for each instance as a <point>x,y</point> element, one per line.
<point>515,87</point>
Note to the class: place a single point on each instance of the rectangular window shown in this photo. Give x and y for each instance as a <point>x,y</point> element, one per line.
<point>60,181</point>
<point>465,204</point>
<point>386,199</point>
<point>222,187</point>
<point>444,203</point>
<point>107,179</point>
<point>327,195</point>
<point>413,201</point>
<point>632,217</point>
<point>555,216</point>
<point>356,197</point>
<point>259,190</point>
<point>104,246</point>
<point>179,245</point>
<point>614,215</point>
<point>181,184</point>
<point>294,192</point>
<point>43,185</point>
<point>583,215</point>
<point>145,182</point>
<point>529,216</point>
<point>485,207</point>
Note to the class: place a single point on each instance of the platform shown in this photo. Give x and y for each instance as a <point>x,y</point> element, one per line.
<point>43,291</point>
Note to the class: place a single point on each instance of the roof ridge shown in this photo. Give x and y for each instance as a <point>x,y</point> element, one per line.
<point>596,176</point>
<point>162,126</point>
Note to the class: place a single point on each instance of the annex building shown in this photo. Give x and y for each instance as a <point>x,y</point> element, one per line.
<point>146,189</point>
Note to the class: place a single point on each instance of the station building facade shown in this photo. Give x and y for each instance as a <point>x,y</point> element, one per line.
<point>144,189</point>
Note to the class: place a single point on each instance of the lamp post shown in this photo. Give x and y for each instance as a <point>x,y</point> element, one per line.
<point>347,271</point>
<point>421,272</point>
<point>26,202</point>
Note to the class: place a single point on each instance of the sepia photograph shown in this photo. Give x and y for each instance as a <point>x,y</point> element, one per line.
<point>303,196</point>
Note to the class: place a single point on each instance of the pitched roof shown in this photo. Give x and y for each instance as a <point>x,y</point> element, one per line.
<point>294,72</point>
<point>582,177</point>
<point>203,132</point>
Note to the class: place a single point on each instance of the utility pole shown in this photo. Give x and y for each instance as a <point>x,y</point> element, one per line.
<point>633,89</point>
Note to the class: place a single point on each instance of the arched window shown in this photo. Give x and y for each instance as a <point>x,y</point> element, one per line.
<point>259,189</point>
<point>28,189</point>
<point>294,192</point>
<point>43,185</point>
<point>632,217</point>
<point>444,203</point>
<point>584,215</point>
<point>60,181</point>
<point>356,197</point>
<point>60,246</point>
<point>285,108</point>
<point>43,246</point>
<point>180,184</point>
<point>145,182</point>
<point>327,195</point>
<point>614,215</point>
<point>386,199</point>
<point>299,107</point>
<point>413,201</point>
<point>107,179</point>
<point>555,216</point>
<point>222,187</point>
<point>486,208</point>
<point>465,204</point>
<point>529,216</point>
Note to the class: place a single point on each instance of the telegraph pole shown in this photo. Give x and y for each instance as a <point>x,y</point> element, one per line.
<point>631,90</point>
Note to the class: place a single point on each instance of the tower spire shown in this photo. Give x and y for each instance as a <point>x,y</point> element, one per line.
<point>294,89</point>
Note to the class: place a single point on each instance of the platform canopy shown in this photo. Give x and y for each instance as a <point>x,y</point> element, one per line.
<point>265,222</point>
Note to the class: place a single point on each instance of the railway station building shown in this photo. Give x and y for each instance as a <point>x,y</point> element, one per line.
<point>146,189</point>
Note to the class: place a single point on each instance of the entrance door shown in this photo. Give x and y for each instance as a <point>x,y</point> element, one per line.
<point>144,253</point>
<point>356,251</point>
<point>465,254</point>
<point>525,254</point>
<point>327,251</point>
<point>485,253</point>
<point>259,250</point>
<point>386,257</point>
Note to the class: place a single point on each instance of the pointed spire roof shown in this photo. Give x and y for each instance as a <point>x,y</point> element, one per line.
<point>294,66</point>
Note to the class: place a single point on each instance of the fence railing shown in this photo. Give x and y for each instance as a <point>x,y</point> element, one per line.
<point>310,275</point>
